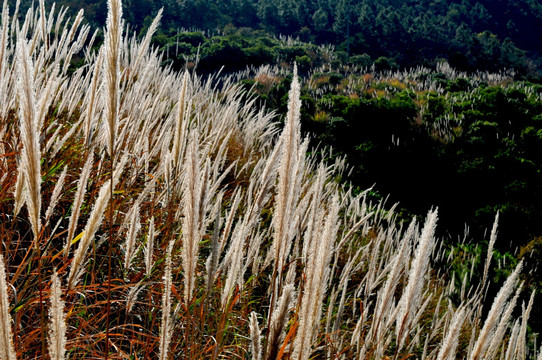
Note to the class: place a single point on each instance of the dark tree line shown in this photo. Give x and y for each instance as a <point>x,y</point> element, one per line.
<point>471,35</point>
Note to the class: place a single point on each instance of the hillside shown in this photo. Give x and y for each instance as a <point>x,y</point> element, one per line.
<point>486,35</point>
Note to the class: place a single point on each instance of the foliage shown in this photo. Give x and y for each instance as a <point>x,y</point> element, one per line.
<point>461,141</point>
<point>472,35</point>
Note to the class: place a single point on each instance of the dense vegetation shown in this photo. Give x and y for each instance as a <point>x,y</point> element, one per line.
<point>469,34</point>
<point>147,213</point>
<point>465,143</point>
<point>470,145</point>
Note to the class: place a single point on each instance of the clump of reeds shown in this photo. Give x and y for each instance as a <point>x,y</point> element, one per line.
<point>189,173</point>
<point>57,330</point>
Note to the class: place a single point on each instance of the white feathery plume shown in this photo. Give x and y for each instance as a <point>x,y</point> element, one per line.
<point>180,126</point>
<point>166,327</point>
<point>23,30</point>
<point>409,303</point>
<point>91,107</point>
<point>492,240</point>
<point>56,193</point>
<point>498,335</point>
<point>234,259</point>
<point>93,223</point>
<point>520,349</point>
<point>111,71</point>
<point>46,96</point>
<point>57,322</point>
<point>133,229</point>
<point>212,260</point>
<point>192,207</point>
<point>255,337</point>
<point>50,20</point>
<point>78,44</point>
<point>513,343</point>
<point>265,181</point>
<point>78,201</point>
<point>279,320</point>
<point>63,48</point>
<point>317,273</point>
<point>132,296</point>
<point>18,191</point>
<point>30,133</point>
<point>493,318</point>
<point>345,278</point>
<point>7,351</point>
<point>43,25</point>
<point>149,248</point>
<point>144,46</point>
<point>289,180</point>
<point>3,44</point>
<point>230,218</point>
<point>15,17</point>
<point>450,342</point>
<point>382,314</point>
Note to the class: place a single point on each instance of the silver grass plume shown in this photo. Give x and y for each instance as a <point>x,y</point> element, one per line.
<point>493,318</point>
<point>520,348</point>
<point>57,322</point>
<point>7,351</point>
<point>317,273</point>
<point>78,201</point>
<point>513,343</point>
<point>166,327</point>
<point>112,48</point>
<point>450,342</point>
<point>255,337</point>
<point>93,223</point>
<point>279,320</point>
<point>43,29</point>
<point>133,229</point>
<point>492,240</point>
<point>132,295</point>
<point>498,335</point>
<point>144,46</point>
<point>3,44</point>
<point>18,192</point>
<point>149,248</point>
<point>409,303</point>
<point>193,188</point>
<point>14,19</point>
<point>382,314</point>
<point>180,125</point>
<point>234,258</point>
<point>288,192</point>
<point>30,133</point>
<point>212,261</point>
<point>91,106</point>
<point>56,193</point>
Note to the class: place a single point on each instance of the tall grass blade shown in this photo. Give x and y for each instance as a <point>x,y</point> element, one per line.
<point>57,322</point>
<point>111,72</point>
<point>93,223</point>
<point>30,134</point>
<point>7,350</point>
<point>166,327</point>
